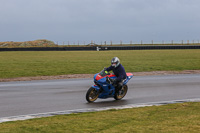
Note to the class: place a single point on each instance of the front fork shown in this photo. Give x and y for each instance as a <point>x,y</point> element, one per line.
<point>97,88</point>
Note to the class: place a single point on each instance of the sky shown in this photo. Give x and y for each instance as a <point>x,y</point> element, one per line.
<point>99,20</point>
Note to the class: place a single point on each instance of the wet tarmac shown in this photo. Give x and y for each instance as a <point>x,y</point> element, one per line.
<point>32,97</point>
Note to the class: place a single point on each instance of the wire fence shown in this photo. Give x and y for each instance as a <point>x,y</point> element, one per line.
<point>46,43</point>
<point>111,43</point>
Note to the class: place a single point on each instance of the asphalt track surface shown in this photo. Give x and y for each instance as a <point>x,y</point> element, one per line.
<point>32,97</point>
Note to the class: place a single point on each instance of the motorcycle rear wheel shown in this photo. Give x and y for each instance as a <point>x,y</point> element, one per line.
<point>121,93</point>
<point>92,94</point>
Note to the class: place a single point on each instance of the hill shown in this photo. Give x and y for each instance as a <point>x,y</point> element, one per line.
<point>35,43</point>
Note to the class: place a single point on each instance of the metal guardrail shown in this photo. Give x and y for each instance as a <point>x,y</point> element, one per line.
<point>100,48</point>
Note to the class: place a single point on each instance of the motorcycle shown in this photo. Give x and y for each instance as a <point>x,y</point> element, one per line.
<point>104,87</point>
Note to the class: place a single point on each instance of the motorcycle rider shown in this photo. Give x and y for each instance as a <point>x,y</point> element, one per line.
<point>119,71</point>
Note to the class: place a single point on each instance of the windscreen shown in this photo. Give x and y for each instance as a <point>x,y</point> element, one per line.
<point>104,73</point>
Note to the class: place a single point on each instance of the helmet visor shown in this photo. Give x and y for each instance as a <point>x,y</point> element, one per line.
<point>114,64</point>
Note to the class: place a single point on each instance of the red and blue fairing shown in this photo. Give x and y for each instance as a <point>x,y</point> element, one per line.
<point>105,89</point>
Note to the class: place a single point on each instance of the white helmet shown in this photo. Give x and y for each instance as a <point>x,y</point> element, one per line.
<point>115,62</point>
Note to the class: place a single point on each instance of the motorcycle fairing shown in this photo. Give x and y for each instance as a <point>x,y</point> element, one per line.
<point>108,90</point>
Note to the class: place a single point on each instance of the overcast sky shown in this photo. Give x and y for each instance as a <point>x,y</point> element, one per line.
<point>99,20</point>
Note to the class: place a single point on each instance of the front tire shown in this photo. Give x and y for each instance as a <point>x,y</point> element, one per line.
<point>92,94</point>
<point>122,92</point>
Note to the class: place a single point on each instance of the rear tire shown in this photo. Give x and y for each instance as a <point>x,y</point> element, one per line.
<point>92,94</point>
<point>119,95</point>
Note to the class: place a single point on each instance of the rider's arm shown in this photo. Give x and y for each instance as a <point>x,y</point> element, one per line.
<point>109,68</point>
<point>121,73</point>
<point>119,78</point>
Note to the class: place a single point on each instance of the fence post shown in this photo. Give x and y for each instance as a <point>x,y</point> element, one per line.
<point>120,42</point>
<point>163,42</point>
<point>111,42</point>
<point>91,43</point>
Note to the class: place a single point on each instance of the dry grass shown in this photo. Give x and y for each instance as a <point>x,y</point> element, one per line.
<point>40,43</point>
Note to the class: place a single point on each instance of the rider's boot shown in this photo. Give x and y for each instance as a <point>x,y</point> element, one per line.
<point>117,89</point>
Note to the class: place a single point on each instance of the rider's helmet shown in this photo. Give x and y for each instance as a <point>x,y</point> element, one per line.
<point>115,62</point>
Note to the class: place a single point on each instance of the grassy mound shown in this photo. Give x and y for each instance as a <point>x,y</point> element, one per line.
<point>36,43</point>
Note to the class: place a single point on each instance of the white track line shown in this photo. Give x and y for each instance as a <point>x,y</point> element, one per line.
<point>47,114</point>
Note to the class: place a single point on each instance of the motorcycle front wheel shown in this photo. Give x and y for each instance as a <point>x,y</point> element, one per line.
<point>92,94</point>
<point>122,92</point>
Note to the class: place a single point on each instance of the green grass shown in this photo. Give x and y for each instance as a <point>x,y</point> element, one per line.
<point>38,63</point>
<point>173,118</point>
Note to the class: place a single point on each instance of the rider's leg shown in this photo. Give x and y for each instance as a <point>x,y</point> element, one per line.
<point>118,86</point>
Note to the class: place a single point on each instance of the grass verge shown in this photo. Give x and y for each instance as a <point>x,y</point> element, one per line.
<point>182,117</point>
<point>40,63</point>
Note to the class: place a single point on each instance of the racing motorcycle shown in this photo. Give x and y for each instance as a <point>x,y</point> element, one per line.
<point>104,87</point>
